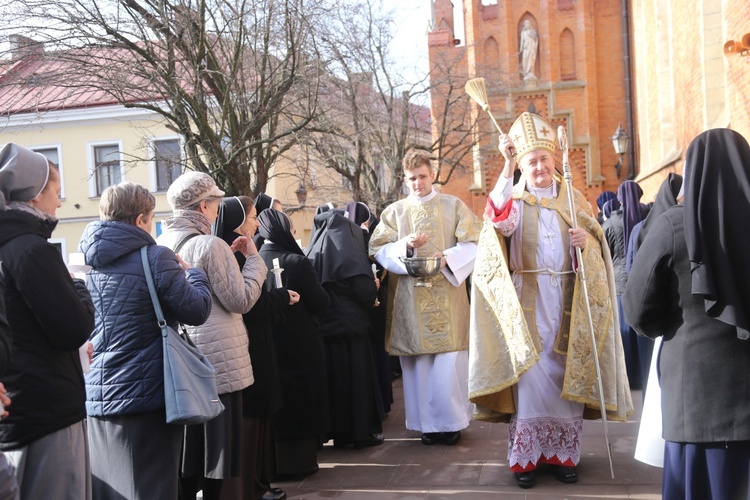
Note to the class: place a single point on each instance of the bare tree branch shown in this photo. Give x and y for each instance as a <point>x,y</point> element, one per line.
<point>236,79</point>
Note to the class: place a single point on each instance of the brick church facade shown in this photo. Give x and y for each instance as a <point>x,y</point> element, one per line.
<point>655,67</point>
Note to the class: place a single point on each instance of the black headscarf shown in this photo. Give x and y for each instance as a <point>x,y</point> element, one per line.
<point>262,202</point>
<point>717,208</point>
<point>358,212</point>
<point>666,198</point>
<point>275,227</point>
<point>324,208</point>
<point>321,209</point>
<point>231,216</point>
<point>609,207</point>
<point>337,248</point>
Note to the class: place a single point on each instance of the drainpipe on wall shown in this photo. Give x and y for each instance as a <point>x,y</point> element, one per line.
<point>628,90</point>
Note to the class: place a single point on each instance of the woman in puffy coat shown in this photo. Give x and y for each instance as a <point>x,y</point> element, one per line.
<point>212,450</point>
<point>134,452</point>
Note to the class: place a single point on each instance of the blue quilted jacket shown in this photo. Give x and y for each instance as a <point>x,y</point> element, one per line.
<point>127,374</point>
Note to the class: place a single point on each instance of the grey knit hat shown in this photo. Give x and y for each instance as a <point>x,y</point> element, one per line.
<point>190,188</point>
<point>23,174</point>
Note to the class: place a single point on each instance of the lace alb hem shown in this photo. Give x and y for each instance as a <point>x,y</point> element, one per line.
<point>530,438</point>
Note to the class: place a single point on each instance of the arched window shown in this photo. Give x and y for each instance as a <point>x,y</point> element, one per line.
<point>492,57</point>
<point>567,55</point>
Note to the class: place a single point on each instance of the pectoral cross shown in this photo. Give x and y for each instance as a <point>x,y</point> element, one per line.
<point>550,236</point>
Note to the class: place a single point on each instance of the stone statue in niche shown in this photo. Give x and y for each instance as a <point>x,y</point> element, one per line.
<point>528,47</point>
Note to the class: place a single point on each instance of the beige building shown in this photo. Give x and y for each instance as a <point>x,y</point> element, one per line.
<point>96,147</point>
<point>97,142</point>
<point>102,145</point>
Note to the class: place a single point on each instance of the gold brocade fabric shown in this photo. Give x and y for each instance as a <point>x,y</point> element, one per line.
<point>426,320</point>
<point>502,346</point>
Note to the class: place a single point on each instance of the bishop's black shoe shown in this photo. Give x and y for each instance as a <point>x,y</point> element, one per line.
<point>525,479</point>
<point>566,474</point>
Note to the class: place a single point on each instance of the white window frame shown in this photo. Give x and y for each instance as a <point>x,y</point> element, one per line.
<point>153,175</point>
<point>58,147</point>
<point>91,158</point>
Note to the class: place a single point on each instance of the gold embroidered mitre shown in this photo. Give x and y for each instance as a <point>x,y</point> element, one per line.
<point>531,132</point>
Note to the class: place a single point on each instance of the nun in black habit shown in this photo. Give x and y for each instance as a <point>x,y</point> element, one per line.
<point>237,217</point>
<point>303,418</point>
<point>690,283</point>
<point>360,214</point>
<point>339,256</point>
<point>666,198</point>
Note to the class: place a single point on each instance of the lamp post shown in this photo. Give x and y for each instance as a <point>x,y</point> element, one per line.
<point>620,143</point>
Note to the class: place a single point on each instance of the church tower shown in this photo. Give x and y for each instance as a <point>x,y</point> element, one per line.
<point>562,59</point>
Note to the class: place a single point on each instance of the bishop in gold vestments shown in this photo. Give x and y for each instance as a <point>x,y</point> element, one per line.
<point>531,360</point>
<point>430,326</point>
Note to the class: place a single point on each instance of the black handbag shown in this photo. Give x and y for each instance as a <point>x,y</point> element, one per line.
<point>190,393</point>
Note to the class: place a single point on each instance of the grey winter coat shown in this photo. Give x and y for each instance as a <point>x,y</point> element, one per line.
<point>223,337</point>
<point>703,366</point>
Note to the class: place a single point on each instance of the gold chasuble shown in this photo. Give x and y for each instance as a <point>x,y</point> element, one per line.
<point>503,346</point>
<point>425,320</point>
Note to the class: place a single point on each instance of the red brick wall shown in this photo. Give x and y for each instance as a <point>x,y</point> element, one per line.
<point>672,99</point>
<point>590,105</point>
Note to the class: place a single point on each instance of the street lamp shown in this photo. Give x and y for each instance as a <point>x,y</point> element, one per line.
<point>301,193</point>
<point>620,143</point>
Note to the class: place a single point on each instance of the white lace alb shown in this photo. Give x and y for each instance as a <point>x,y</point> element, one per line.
<point>530,438</point>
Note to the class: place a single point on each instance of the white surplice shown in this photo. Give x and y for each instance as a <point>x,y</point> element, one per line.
<point>544,424</point>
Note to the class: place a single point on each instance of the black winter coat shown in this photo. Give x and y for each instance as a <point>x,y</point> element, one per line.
<point>703,367</point>
<point>299,347</point>
<point>51,316</point>
<point>6,337</point>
